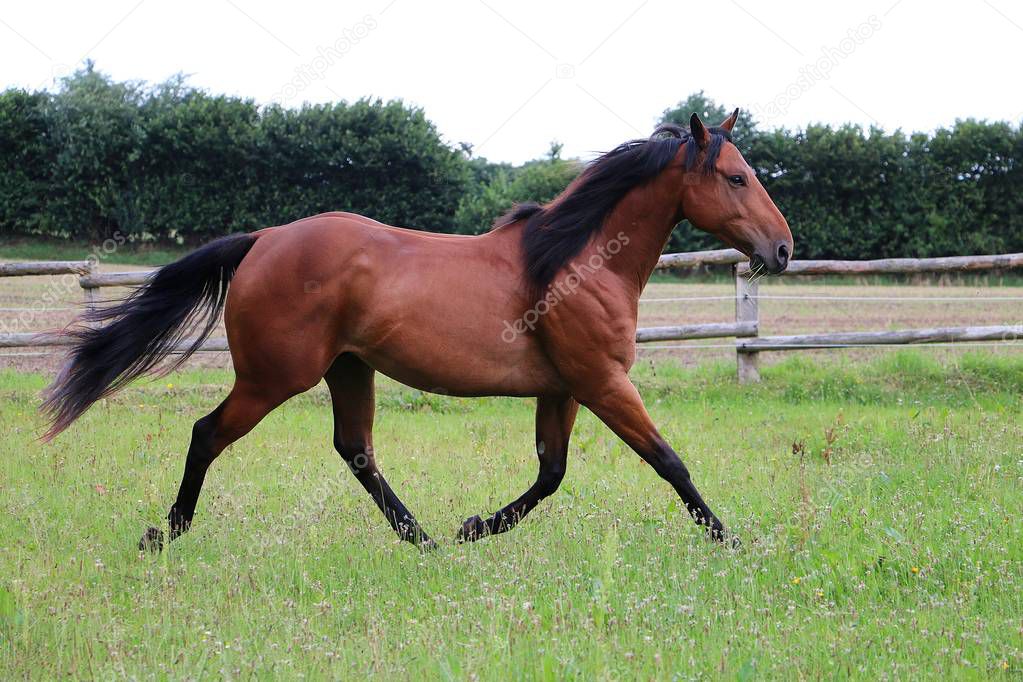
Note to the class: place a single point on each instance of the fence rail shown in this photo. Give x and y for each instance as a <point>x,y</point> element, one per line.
<point>30,340</point>
<point>745,328</point>
<point>696,259</point>
<point>96,280</point>
<point>713,330</point>
<point>897,266</point>
<point>904,336</point>
<point>50,267</point>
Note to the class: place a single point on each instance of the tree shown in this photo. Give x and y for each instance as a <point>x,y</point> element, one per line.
<point>170,162</point>
<point>173,163</point>
<point>27,159</point>
<point>384,160</point>
<point>538,181</point>
<point>94,125</point>
<point>711,113</point>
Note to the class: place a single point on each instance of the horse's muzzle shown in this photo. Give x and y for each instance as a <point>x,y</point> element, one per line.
<point>774,261</point>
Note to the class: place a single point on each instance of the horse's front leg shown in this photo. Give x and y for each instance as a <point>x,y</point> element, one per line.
<point>617,403</point>
<point>555,416</point>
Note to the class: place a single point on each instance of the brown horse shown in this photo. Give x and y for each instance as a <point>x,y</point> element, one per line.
<point>543,305</point>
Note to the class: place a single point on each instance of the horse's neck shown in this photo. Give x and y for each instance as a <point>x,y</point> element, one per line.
<point>642,223</point>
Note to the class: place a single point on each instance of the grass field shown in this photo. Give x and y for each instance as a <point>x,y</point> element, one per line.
<point>877,493</point>
<point>879,504</point>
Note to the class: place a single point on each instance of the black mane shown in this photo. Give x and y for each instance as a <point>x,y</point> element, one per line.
<point>557,232</point>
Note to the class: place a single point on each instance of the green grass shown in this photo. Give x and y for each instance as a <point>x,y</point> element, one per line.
<point>891,546</point>
<point>36,248</point>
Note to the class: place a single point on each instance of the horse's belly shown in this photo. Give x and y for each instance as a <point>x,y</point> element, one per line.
<point>461,372</point>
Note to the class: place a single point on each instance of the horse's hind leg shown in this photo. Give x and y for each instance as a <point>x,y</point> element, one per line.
<point>555,417</point>
<point>243,408</point>
<point>350,381</point>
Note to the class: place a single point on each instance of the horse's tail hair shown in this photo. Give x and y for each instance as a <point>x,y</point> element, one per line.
<point>132,336</point>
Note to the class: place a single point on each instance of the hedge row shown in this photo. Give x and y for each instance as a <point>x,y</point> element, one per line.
<point>172,163</point>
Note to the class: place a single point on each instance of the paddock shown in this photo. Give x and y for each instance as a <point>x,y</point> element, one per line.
<point>661,301</point>
<point>845,471</point>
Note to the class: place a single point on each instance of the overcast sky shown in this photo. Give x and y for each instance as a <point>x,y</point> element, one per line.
<point>509,77</point>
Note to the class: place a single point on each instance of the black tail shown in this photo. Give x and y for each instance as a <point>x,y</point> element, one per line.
<point>144,328</point>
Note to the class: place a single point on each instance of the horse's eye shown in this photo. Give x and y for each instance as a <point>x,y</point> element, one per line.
<point>737,180</point>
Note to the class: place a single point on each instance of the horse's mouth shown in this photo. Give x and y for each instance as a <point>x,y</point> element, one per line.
<point>771,266</point>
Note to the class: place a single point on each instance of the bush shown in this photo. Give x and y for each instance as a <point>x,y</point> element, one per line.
<point>172,163</point>
<point>854,193</point>
<point>27,160</point>
<point>539,181</point>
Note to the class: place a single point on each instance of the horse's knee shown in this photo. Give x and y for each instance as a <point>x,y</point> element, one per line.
<point>201,451</point>
<point>550,478</point>
<point>203,429</point>
<point>356,454</point>
<point>349,449</point>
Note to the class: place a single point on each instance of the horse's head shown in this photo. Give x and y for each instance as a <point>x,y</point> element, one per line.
<point>722,195</point>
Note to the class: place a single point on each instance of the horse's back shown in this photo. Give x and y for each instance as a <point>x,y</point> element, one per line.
<point>433,311</point>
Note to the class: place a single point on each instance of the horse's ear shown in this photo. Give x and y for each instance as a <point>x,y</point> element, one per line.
<point>730,121</point>
<point>699,131</point>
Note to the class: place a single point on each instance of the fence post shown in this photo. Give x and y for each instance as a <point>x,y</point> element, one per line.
<point>90,292</point>
<point>746,310</point>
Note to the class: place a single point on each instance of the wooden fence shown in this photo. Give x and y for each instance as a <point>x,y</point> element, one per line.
<point>749,344</point>
<point>745,327</point>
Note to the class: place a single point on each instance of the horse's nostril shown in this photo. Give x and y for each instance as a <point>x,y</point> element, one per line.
<point>783,253</point>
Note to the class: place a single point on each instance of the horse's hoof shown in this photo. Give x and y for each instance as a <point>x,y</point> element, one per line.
<point>151,541</point>
<point>427,545</point>
<point>718,533</point>
<point>472,530</point>
<point>724,538</point>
